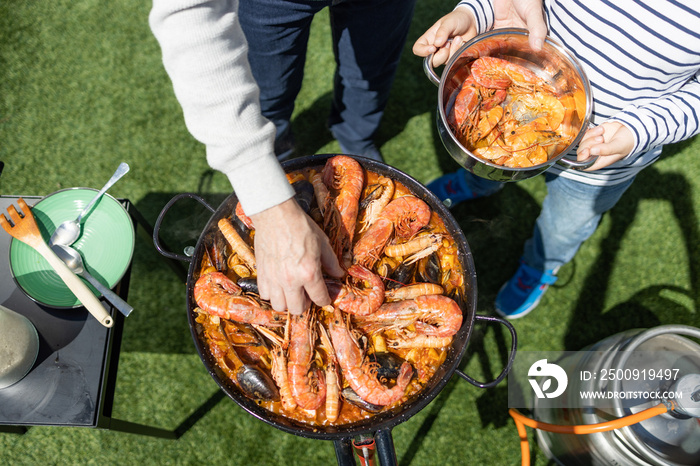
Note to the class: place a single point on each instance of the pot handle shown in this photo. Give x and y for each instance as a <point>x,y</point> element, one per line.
<point>511,356</point>
<point>429,71</point>
<point>156,228</point>
<point>576,165</point>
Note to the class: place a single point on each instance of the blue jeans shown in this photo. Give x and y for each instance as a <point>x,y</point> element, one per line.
<point>368,37</point>
<point>570,214</point>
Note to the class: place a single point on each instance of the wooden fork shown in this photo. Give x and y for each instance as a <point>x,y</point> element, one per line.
<point>26,230</point>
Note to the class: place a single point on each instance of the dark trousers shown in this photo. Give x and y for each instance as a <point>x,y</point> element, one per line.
<point>368,38</point>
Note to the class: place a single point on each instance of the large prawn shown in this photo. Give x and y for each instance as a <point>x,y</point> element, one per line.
<point>404,217</point>
<point>466,115</point>
<point>379,196</point>
<point>218,295</point>
<point>343,176</point>
<point>308,384</point>
<point>279,370</point>
<point>359,372</point>
<point>353,299</point>
<point>497,73</point>
<point>432,315</point>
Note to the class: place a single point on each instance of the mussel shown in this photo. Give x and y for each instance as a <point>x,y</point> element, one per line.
<point>388,365</point>
<point>351,397</point>
<point>429,269</point>
<point>252,381</point>
<point>242,228</point>
<point>216,252</point>
<point>402,275</point>
<point>304,194</point>
<point>248,285</point>
<point>375,191</point>
<point>256,384</point>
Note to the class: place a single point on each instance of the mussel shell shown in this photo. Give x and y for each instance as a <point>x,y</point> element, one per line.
<point>429,270</point>
<point>457,295</point>
<point>257,384</point>
<point>216,252</point>
<point>388,365</point>
<point>241,228</point>
<point>304,194</point>
<point>248,285</point>
<point>402,275</point>
<point>351,397</point>
<point>373,195</point>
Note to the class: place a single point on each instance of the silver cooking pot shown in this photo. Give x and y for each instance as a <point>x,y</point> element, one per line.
<point>553,63</point>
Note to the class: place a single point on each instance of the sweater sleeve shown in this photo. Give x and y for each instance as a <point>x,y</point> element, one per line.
<point>205,55</point>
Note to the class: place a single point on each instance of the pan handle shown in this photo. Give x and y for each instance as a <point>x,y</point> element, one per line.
<point>511,356</point>
<point>156,228</point>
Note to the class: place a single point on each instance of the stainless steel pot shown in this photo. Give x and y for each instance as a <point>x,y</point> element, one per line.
<point>554,63</point>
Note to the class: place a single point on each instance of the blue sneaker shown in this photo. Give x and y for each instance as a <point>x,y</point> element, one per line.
<point>523,292</point>
<point>452,188</point>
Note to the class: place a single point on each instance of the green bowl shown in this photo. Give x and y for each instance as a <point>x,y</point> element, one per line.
<point>106,243</point>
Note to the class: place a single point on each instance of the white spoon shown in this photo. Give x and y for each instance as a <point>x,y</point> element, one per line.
<point>68,231</point>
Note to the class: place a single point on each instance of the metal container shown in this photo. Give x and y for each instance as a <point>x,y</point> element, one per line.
<point>669,439</point>
<point>554,63</point>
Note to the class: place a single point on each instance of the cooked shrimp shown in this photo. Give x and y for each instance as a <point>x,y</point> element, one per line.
<point>218,295</point>
<point>433,315</point>
<point>359,372</point>
<point>353,299</point>
<point>308,384</point>
<point>238,245</point>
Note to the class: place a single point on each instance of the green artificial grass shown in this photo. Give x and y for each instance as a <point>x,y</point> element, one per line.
<point>82,88</point>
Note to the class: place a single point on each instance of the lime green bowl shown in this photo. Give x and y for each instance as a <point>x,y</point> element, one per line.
<point>106,243</point>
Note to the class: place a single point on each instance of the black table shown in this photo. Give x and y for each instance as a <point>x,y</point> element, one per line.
<point>73,380</point>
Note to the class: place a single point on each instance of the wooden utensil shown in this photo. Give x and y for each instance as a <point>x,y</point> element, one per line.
<point>26,230</point>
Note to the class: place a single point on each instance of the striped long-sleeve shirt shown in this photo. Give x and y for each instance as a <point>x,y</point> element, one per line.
<point>642,58</point>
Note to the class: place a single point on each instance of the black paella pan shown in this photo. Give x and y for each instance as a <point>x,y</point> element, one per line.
<point>379,425</point>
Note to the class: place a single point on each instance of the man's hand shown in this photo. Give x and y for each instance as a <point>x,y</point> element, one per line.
<point>290,252</point>
<point>611,141</point>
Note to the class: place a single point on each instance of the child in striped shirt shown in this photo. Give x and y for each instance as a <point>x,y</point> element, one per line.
<point>642,58</point>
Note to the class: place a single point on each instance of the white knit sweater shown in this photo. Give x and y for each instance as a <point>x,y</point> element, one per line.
<point>205,55</point>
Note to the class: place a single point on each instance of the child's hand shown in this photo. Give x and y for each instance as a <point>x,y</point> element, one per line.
<point>522,14</point>
<point>458,25</point>
<point>612,141</point>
